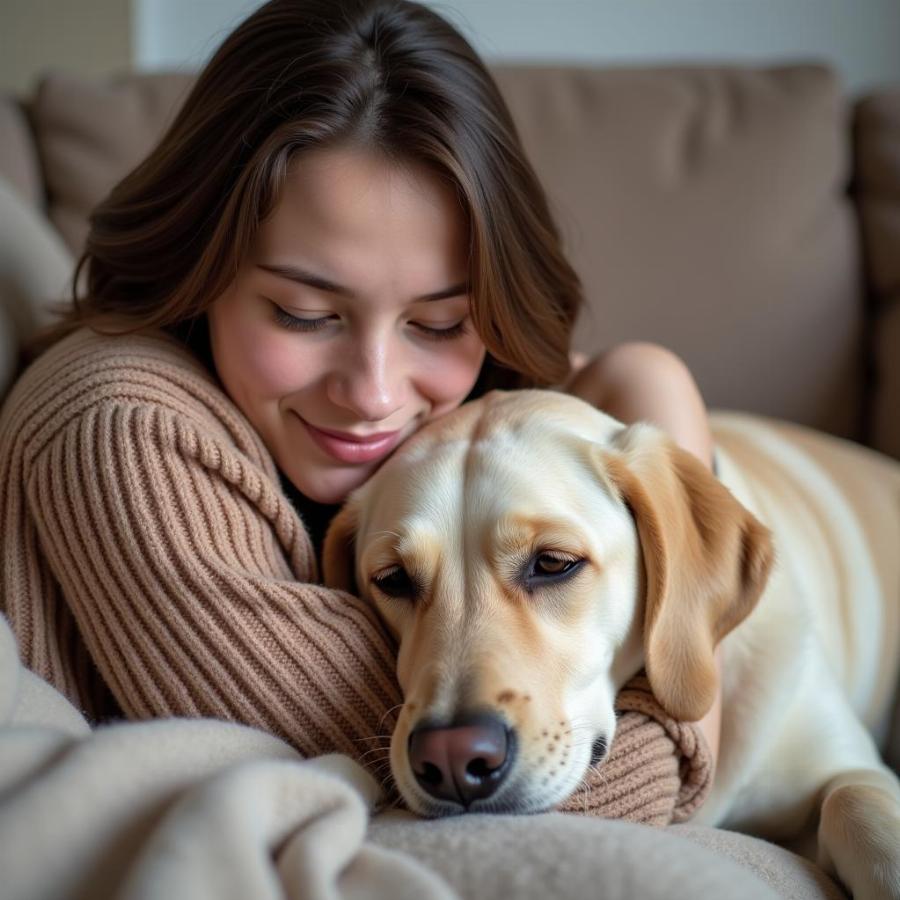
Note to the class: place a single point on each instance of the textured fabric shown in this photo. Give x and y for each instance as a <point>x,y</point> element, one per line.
<point>179,808</point>
<point>553,855</point>
<point>658,771</point>
<point>786,872</point>
<point>703,208</point>
<point>200,808</point>
<point>199,598</point>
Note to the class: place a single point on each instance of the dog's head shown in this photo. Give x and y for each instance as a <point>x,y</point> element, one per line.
<point>530,554</point>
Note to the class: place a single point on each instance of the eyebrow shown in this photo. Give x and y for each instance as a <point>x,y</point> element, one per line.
<point>303,276</point>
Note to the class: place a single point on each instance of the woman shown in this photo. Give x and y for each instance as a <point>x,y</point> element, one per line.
<point>338,240</point>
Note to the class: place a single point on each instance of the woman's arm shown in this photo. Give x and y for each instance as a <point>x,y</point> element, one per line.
<point>184,567</point>
<point>644,382</point>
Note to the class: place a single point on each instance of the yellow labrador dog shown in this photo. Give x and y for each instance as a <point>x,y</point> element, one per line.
<point>531,554</point>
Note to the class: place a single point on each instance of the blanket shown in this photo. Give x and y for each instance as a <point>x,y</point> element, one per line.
<point>203,808</point>
<point>179,808</point>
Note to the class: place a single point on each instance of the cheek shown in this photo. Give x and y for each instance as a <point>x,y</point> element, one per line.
<point>260,361</point>
<point>276,367</point>
<point>447,381</point>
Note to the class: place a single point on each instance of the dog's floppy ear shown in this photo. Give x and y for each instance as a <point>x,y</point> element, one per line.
<point>339,549</point>
<point>706,557</point>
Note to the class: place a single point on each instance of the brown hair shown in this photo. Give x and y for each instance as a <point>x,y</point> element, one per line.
<point>389,74</point>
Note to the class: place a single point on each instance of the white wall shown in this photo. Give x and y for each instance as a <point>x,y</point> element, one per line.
<point>181,34</point>
<point>861,38</point>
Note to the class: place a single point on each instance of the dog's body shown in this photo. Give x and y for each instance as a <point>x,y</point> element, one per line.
<point>815,665</point>
<point>531,555</point>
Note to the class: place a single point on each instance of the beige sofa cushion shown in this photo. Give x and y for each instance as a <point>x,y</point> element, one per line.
<point>786,872</point>
<point>704,209</point>
<point>877,134</point>
<point>18,154</point>
<point>206,809</point>
<point>91,133</point>
<point>570,856</point>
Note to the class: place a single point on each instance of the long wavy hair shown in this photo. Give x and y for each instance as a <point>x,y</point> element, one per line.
<point>390,75</point>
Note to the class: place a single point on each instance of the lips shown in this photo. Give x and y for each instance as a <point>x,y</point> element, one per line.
<point>355,438</point>
<point>348,448</point>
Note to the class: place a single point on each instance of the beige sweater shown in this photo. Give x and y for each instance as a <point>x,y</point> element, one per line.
<point>199,599</point>
<point>152,566</point>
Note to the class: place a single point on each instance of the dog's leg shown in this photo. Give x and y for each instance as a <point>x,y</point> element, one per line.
<point>823,763</point>
<point>859,832</point>
<point>858,802</point>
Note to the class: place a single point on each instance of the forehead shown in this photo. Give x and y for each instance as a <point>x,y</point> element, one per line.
<point>510,475</point>
<point>341,200</point>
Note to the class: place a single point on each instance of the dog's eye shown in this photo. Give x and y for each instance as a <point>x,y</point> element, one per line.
<point>548,567</point>
<point>394,582</point>
<point>546,564</point>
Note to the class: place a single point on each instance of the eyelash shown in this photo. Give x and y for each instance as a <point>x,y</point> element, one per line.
<point>286,320</point>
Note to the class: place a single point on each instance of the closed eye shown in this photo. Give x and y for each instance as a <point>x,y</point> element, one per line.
<point>395,582</point>
<point>297,323</point>
<point>443,334</point>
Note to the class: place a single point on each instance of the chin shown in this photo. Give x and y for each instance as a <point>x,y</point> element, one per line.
<point>328,491</point>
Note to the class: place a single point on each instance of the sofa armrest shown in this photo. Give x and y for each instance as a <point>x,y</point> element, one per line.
<point>19,164</point>
<point>35,274</point>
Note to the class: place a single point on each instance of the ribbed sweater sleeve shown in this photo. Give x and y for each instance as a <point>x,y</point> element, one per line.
<point>190,577</point>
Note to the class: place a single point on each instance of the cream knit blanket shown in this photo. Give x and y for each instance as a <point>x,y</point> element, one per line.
<point>201,808</point>
<point>179,808</point>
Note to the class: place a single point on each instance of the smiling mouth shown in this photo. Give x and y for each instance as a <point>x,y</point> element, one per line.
<point>343,449</point>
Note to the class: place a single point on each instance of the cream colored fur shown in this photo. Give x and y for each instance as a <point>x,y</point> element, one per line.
<point>667,561</point>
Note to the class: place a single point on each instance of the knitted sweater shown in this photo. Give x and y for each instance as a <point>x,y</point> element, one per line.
<point>200,596</point>
<point>152,565</point>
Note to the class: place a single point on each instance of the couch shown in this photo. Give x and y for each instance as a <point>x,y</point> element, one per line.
<point>746,217</point>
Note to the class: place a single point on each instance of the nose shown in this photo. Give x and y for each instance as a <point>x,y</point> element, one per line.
<point>369,382</point>
<point>464,762</point>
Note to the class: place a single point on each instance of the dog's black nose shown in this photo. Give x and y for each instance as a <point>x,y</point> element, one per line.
<point>464,761</point>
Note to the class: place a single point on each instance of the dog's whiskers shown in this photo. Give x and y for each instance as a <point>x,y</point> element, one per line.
<point>374,737</point>
<point>382,773</point>
<point>579,724</point>
<point>380,770</point>
<point>578,728</point>
<point>381,720</point>
<point>376,750</point>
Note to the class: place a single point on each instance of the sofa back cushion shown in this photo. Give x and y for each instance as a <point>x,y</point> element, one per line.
<point>877,184</point>
<point>704,208</point>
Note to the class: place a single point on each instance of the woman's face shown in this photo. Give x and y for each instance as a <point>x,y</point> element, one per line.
<point>347,327</point>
